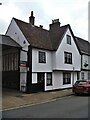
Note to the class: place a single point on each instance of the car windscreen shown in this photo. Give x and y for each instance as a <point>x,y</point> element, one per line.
<point>81,82</point>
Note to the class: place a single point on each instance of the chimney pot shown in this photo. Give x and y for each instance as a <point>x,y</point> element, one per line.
<point>41,26</point>
<point>55,24</point>
<point>55,21</point>
<point>32,13</point>
<point>32,18</point>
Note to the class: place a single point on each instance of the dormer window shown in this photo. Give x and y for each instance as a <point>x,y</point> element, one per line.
<point>69,39</point>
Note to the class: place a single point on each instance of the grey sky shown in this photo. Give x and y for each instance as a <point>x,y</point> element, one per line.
<point>73,12</point>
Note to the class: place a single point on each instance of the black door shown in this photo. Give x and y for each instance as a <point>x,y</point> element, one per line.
<point>40,81</point>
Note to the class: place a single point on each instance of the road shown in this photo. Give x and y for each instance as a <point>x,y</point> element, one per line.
<point>65,107</point>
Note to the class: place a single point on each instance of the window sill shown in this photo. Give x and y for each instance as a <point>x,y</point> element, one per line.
<point>49,85</point>
<point>67,84</point>
<point>68,63</point>
<point>43,62</point>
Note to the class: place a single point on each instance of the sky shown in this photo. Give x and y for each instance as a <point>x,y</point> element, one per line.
<point>73,12</point>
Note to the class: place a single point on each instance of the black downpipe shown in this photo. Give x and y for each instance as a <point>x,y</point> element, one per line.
<point>29,72</point>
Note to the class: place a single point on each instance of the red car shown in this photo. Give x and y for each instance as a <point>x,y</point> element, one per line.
<point>81,86</point>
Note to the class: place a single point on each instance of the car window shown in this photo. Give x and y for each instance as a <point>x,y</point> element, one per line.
<point>82,83</point>
<point>76,83</point>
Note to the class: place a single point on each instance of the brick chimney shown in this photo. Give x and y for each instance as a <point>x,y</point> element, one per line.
<point>32,18</point>
<point>55,24</point>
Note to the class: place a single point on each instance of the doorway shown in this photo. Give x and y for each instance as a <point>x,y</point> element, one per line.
<point>40,81</point>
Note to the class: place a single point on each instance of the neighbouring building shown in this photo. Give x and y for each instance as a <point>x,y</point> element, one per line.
<point>10,62</point>
<point>84,47</point>
<point>49,59</point>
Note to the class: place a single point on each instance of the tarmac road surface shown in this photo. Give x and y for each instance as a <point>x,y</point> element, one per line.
<point>65,107</point>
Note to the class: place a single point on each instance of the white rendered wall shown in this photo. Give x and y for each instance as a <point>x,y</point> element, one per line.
<point>76,58</point>
<point>85,74</point>
<point>23,56</point>
<point>15,33</point>
<point>57,81</point>
<point>41,67</point>
<point>34,78</point>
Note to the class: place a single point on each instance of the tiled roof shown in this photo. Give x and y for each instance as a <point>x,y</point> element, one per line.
<point>41,38</point>
<point>6,40</point>
<point>57,35</point>
<point>84,45</point>
<point>36,36</point>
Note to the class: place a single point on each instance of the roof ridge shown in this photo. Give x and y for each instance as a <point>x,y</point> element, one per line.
<point>30,24</point>
<point>20,20</point>
<point>50,39</point>
<point>65,25</point>
<point>81,38</point>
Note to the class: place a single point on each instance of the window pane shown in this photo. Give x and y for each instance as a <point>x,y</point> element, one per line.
<point>42,57</point>
<point>68,57</point>
<point>68,39</point>
<point>66,78</point>
<point>49,79</point>
<point>88,75</point>
<point>82,75</point>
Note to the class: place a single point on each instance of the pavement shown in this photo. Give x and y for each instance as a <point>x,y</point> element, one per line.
<point>13,98</point>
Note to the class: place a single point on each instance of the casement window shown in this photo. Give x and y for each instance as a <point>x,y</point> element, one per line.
<point>42,57</point>
<point>78,75</point>
<point>89,75</point>
<point>69,39</point>
<point>10,62</point>
<point>66,78</point>
<point>67,58</point>
<point>82,75</point>
<point>49,79</point>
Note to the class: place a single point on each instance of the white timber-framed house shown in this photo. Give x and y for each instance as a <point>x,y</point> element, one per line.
<point>49,59</point>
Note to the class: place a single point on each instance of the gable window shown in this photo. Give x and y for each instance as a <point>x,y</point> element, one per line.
<point>69,39</point>
<point>66,78</point>
<point>49,79</point>
<point>42,57</point>
<point>68,57</point>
